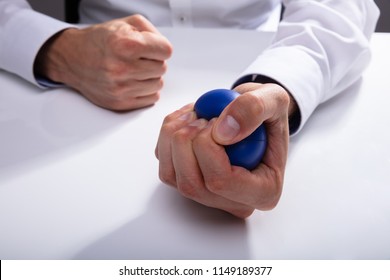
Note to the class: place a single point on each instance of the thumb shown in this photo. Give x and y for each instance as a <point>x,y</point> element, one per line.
<point>239,119</point>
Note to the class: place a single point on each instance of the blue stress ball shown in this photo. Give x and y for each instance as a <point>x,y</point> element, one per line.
<point>248,152</point>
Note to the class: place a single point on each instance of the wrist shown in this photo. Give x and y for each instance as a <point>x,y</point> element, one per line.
<point>51,61</point>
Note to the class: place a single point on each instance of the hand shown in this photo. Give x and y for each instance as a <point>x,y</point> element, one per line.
<point>192,158</point>
<point>117,65</point>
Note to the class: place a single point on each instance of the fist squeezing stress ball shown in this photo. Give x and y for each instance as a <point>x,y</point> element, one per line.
<point>216,163</point>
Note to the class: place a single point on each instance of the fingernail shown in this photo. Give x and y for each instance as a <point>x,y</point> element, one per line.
<point>227,129</point>
<point>187,116</point>
<point>199,123</point>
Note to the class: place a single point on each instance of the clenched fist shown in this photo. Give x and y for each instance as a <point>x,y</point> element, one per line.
<point>117,65</point>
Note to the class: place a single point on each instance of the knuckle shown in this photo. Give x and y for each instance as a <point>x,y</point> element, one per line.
<point>180,137</point>
<point>114,92</point>
<point>154,98</point>
<point>274,194</point>
<point>133,45</point>
<point>256,104</point>
<point>114,70</point>
<point>215,183</point>
<point>129,44</point>
<point>158,84</point>
<point>167,176</point>
<point>281,96</point>
<point>138,18</point>
<point>164,68</point>
<point>272,202</point>
<point>168,127</point>
<point>115,100</point>
<point>113,39</point>
<point>201,141</point>
<point>188,187</point>
<point>151,85</point>
<point>167,122</point>
<point>116,105</point>
<point>247,109</point>
<point>168,49</point>
<point>284,99</point>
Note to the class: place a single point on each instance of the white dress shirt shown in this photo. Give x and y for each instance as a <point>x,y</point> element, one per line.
<point>321,47</point>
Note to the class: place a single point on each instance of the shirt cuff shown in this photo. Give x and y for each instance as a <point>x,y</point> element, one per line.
<point>25,34</point>
<point>297,72</point>
<point>46,83</point>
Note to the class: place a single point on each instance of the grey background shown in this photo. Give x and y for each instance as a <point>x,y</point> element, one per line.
<point>384,20</point>
<point>56,9</point>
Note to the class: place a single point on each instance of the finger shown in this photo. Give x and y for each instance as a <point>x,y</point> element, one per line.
<point>123,104</point>
<point>121,96</point>
<point>139,102</point>
<point>129,39</point>
<point>132,44</point>
<point>184,114</point>
<point>144,101</point>
<point>214,163</point>
<point>256,104</point>
<point>190,170</point>
<point>134,88</point>
<point>163,152</point>
<point>254,189</point>
<point>145,69</point>
<point>139,69</point>
<point>155,46</point>
<point>189,177</point>
<point>141,23</point>
<point>260,188</point>
<point>136,45</point>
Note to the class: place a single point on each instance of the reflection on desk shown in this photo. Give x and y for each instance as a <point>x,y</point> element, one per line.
<point>81,182</point>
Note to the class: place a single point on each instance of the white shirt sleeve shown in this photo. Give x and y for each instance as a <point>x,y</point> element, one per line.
<point>321,48</point>
<point>20,26</point>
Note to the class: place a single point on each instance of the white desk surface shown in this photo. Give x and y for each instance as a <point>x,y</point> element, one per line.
<point>80,182</point>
